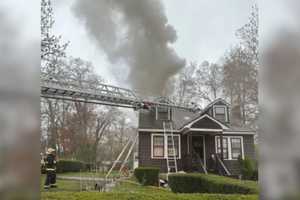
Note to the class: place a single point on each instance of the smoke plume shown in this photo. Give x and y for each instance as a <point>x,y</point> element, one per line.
<point>137,34</point>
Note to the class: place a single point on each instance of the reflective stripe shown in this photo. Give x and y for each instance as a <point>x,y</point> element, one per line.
<point>50,169</point>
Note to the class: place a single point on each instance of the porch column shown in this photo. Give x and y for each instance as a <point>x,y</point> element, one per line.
<point>221,145</point>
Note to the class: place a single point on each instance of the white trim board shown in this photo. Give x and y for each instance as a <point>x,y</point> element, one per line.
<point>238,133</point>
<point>209,117</point>
<point>195,129</point>
<point>206,129</point>
<point>156,130</point>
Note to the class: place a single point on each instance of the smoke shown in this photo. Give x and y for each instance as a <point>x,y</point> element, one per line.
<point>279,99</point>
<point>135,33</point>
<point>19,100</point>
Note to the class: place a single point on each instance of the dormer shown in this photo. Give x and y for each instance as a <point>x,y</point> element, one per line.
<point>220,112</point>
<point>163,113</point>
<point>219,109</point>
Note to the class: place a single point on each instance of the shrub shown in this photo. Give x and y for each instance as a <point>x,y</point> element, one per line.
<point>70,166</point>
<point>247,168</point>
<point>147,175</point>
<point>202,183</point>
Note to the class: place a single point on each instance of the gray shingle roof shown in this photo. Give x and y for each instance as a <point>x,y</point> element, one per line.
<point>180,119</point>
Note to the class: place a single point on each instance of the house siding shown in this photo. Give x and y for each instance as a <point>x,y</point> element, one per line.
<point>232,165</point>
<point>249,151</point>
<point>145,153</point>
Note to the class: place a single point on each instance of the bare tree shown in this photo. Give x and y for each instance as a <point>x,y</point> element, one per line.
<point>52,49</point>
<point>209,78</point>
<point>241,73</point>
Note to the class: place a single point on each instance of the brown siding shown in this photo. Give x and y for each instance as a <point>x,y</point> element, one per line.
<point>249,151</point>
<point>232,165</point>
<point>249,148</point>
<point>145,153</point>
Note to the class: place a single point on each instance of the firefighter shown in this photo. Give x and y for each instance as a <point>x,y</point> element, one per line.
<point>50,165</point>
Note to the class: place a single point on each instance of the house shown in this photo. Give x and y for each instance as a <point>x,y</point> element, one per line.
<point>197,137</point>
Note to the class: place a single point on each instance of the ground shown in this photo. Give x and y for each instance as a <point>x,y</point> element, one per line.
<point>126,190</point>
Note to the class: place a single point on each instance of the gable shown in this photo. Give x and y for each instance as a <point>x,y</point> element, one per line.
<point>206,121</point>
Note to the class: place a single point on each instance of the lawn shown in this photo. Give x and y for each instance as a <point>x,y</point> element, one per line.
<point>89,174</point>
<point>128,190</point>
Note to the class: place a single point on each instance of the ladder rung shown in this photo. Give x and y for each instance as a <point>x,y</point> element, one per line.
<point>171,159</point>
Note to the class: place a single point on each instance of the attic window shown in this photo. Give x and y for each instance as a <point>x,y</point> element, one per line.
<point>163,113</point>
<point>220,113</point>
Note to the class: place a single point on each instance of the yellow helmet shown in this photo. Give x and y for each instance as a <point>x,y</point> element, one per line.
<point>50,150</point>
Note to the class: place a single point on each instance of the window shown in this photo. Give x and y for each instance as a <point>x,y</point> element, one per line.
<point>225,147</point>
<point>236,148</point>
<point>163,113</point>
<point>232,147</point>
<point>220,113</point>
<point>162,146</point>
<point>158,146</point>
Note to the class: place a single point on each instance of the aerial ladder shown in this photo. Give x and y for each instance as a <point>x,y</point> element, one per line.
<point>103,94</point>
<point>109,95</point>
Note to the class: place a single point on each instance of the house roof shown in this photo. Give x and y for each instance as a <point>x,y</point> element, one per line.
<point>183,118</point>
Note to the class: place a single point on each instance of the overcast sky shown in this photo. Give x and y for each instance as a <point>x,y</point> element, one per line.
<point>205,30</point>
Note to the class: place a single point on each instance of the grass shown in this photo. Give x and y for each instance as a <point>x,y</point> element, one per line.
<point>63,185</point>
<point>89,174</point>
<point>128,190</point>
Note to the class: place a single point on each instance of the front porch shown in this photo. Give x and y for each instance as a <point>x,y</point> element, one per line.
<point>201,153</point>
<point>204,152</point>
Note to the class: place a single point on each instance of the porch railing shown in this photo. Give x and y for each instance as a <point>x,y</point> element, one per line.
<point>221,163</point>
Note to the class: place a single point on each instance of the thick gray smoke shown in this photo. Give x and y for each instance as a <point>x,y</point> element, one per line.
<point>136,33</point>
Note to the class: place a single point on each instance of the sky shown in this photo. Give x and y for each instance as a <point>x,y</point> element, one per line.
<point>205,30</point>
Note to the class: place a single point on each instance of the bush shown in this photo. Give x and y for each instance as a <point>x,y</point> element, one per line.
<point>147,175</point>
<point>202,183</point>
<point>247,168</point>
<point>70,166</point>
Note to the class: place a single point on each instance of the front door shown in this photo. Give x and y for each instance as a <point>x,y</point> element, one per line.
<point>198,146</point>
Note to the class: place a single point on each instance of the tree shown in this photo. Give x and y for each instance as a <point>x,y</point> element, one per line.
<point>52,49</point>
<point>209,77</point>
<point>197,84</point>
<point>184,86</point>
<point>52,53</point>
<point>240,71</point>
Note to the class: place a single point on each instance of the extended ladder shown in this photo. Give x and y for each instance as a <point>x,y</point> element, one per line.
<point>171,150</point>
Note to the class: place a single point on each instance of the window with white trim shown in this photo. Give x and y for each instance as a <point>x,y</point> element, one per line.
<point>236,147</point>
<point>225,147</point>
<point>162,146</point>
<point>232,147</point>
<point>158,146</point>
<point>220,113</point>
<point>163,113</point>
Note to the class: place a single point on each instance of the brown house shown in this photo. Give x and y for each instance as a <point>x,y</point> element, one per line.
<point>196,139</point>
